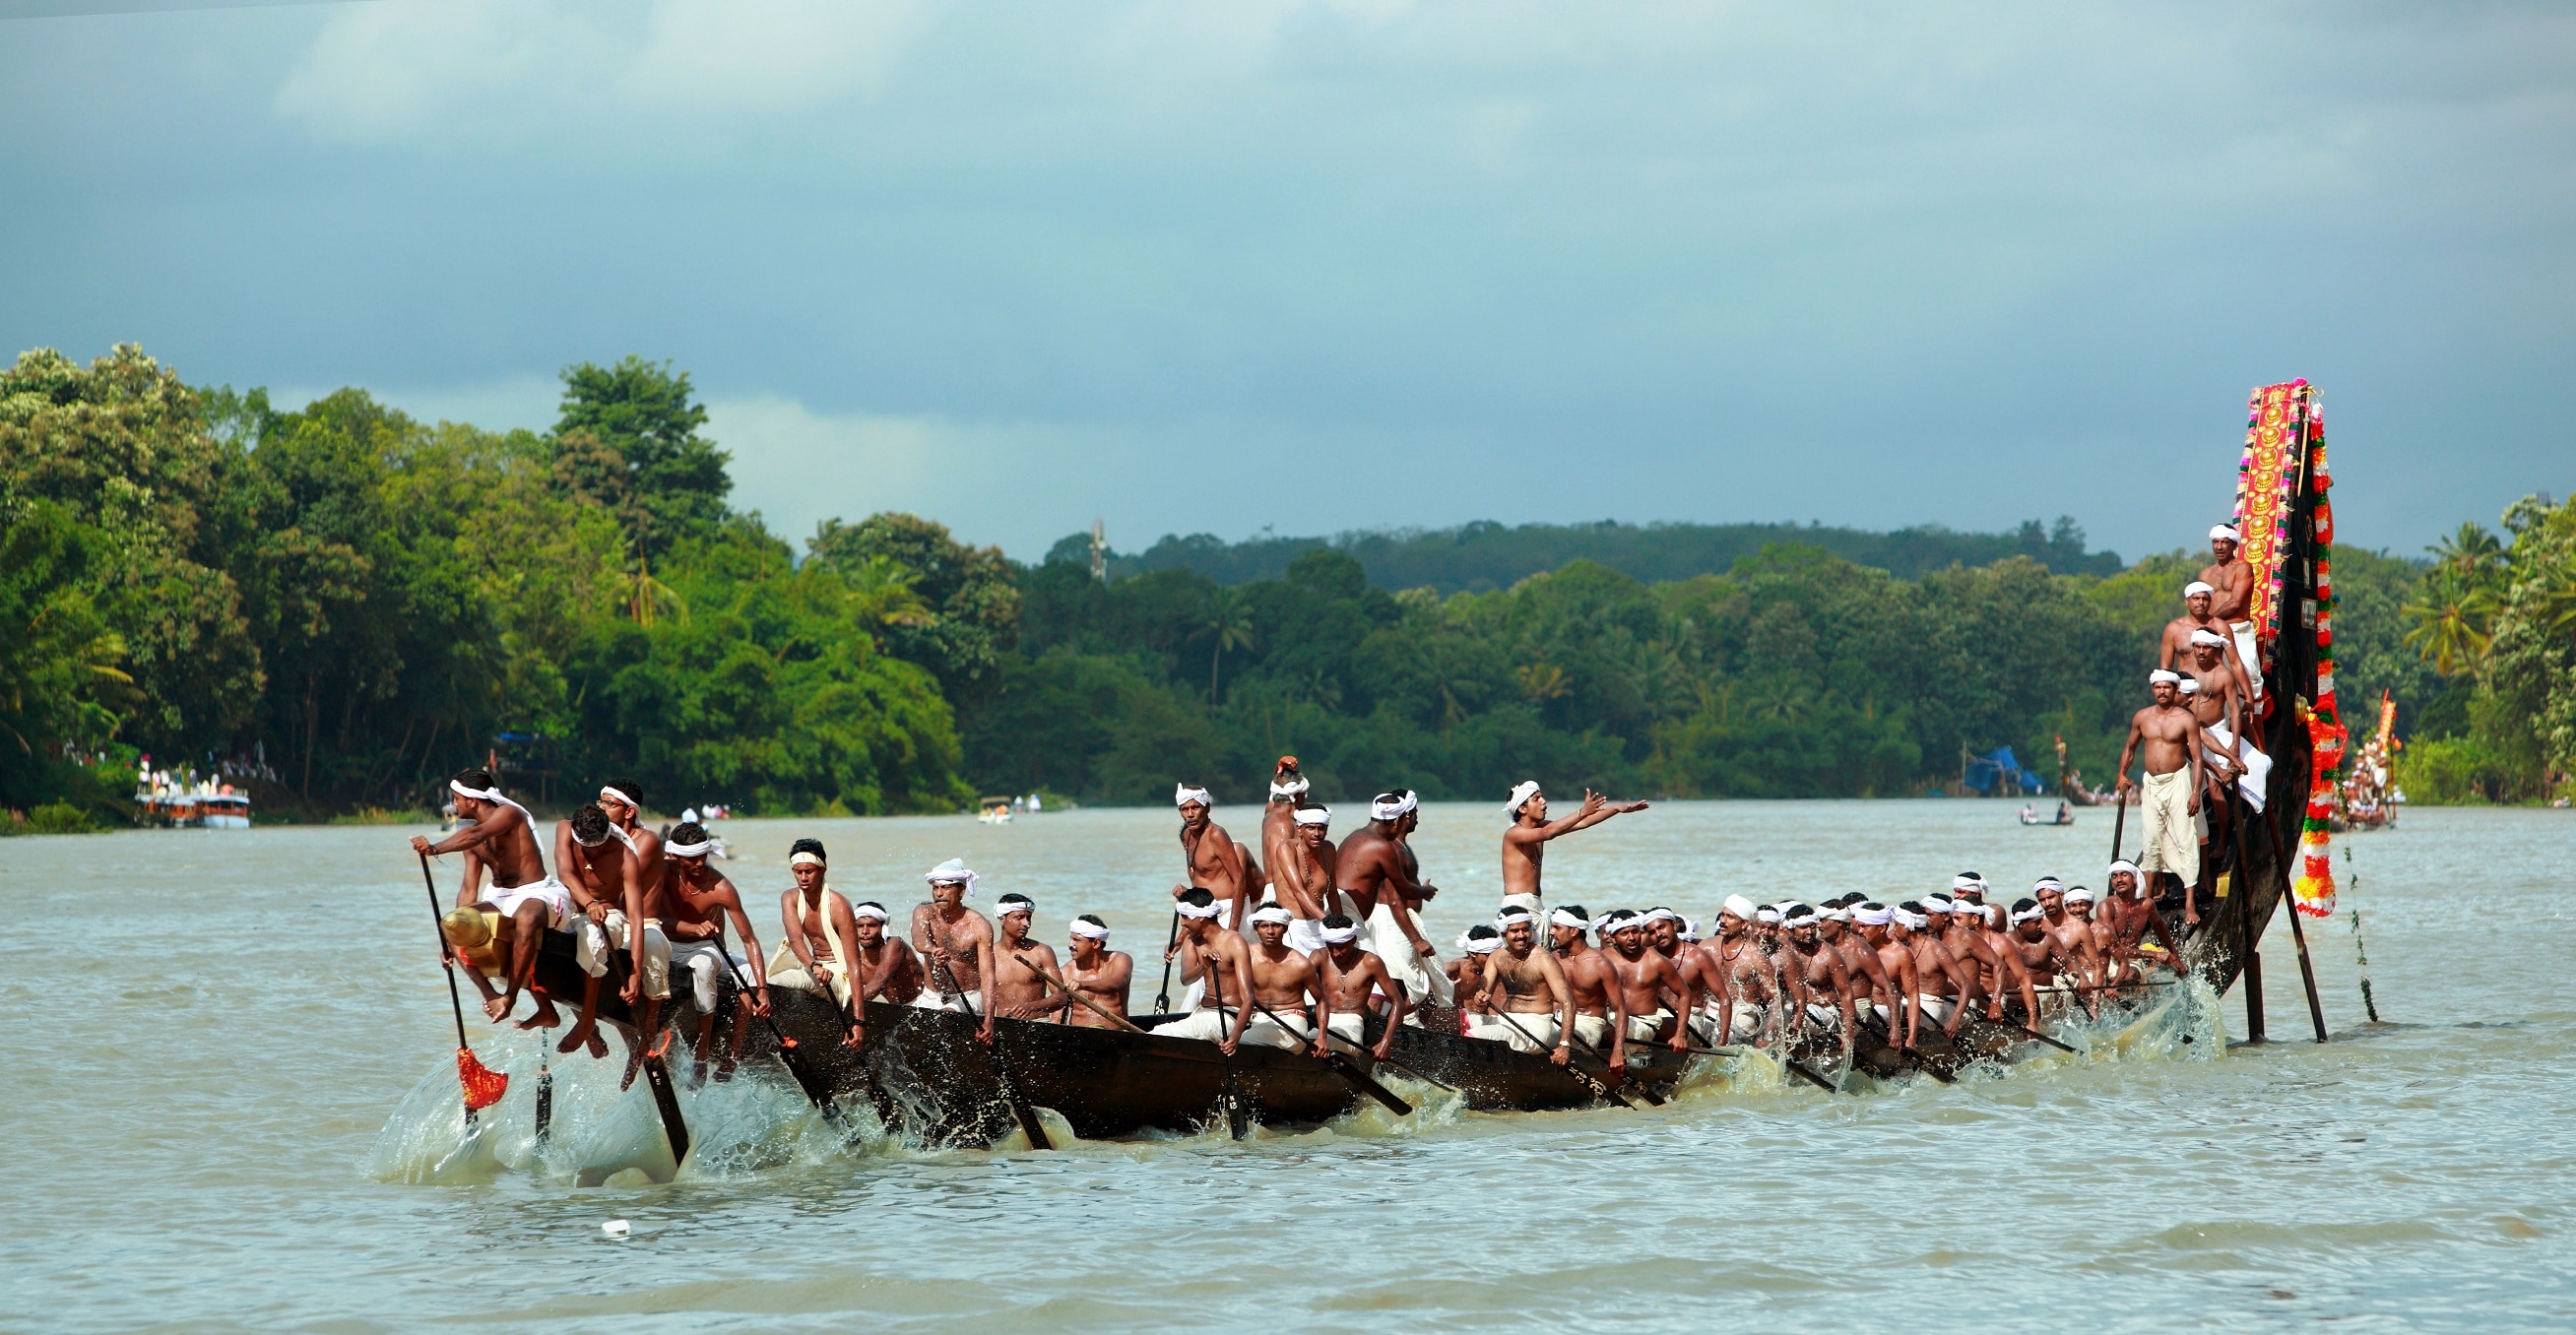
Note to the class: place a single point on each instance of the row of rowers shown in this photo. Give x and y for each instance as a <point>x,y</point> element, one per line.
<point>1775,973</point>
<point>642,907</point>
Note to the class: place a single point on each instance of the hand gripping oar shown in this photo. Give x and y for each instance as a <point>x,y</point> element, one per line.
<point>1163,994</point>
<point>806,1080</point>
<point>1599,1090</point>
<point>1910,1056</point>
<point>1343,1066</point>
<point>482,1086</point>
<point>1020,1109</point>
<point>1237,1123</point>
<point>1651,1097</point>
<point>1123,1022</point>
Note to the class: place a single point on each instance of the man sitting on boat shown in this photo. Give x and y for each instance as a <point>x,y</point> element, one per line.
<point>815,932</point>
<point>955,944</point>
<point>2129,915</point>
<point>597,868</point>
<point>1282,978</point>
<point>1467,973</point>
<point>700,902</point>
<point>885,967</point>
<point>1645,977</point>
<point>504,839</point>
<point>1352,982</point>
<point>1599,1017</point>
<point>1097,973</point>
<point>1211,956</point>
<point>1026,983</point>
<point>1531,1007</point>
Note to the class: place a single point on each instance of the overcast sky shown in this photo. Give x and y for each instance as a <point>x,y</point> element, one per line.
<point>1201,266</point>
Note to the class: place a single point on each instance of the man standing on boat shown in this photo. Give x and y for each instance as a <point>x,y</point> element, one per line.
<point>2173,744</point>
<point>2174,645</point>
<point>813,946</point>
<point>1209,856</point>
<point>1525,839</point>
<point>2225,709</point>
<point>1379,873</point>
<point>1301,876</point>
<point>503,839</point>
<point>1215,957</point>
<point>701,901</point>
<point>1533,1008</point>
<point>2231,580</point>
<point>1350,976</point>
<point>1022,991</point>
<point>1095,972</point>
<point>1279,827</point>
<point>955,945</point>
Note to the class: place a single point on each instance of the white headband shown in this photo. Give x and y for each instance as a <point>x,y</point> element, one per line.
<point>2047,883</point>
<point>1766,915</point>
<point>1394,809</point>
<point>1967,881</point>
<point>2079,895</point>
<point>870,909</point>
<point>1802,917</point>
<point>1272,913</point>
<point>1877,917</point>
<point>2161,677</point>
<point>2210,637</point>
<point>1838,915</point>
<point>696,850</point>
<point>1689,930</point>
<point>1087,931</point>
<point>2223,531</point>
<point>954,869</point>
<point>1314,815</point>
<point>1014,902</point>
<point>1739,906</point>
<point>615,795</point>
<point>2137,878</point>
<point>2196,587</point>
<point>1512,913</point>
<point>1343,936</point>
<point>804,859</point>
<point>1188,910</point>
<point>1561,918</point>
<point>1295,787</point>
<point>2188,686</point>
<point>1522,792</point>
<point>1480,945</point>
<point>1183,795</point>
<point>1659,911</point>
<point>1912,922</point>
<point>2033,913</point>
<point>1935,903</point>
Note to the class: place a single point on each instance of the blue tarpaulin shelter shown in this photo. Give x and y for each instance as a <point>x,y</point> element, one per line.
<point>1996,768</point>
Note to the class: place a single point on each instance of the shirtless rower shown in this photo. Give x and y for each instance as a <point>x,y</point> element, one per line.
<point>1641,977</point>
<point>1860,959</point>
<point>2173,644</point>
<point>1095,972</point>
<point>1976,935</point>
<point>1663,927</point>
<point>1021,991</point>
<point>1282,978</point>
<point>1467,974</point>
<point>1525,839</point>
<point>502,839</point>
<point>2097,937</point>
<point>1600,1010</point>
<point>955,945</point>
<point>884,967</point>
<point>595,867</point>
<point>1209,953</point>
<point>701,901</point>
<point>2231,580</point>
<point>1279,824</point>
<point>1532,1008</point>
<point>1350,976</point>
<point>2130,914</point>
<point>638,930</point>
<point>1876,925</point>
<point>1378,872</point>
<point>1818,972</point>
<point>2042,957</point>
<point>1944,988</point>
<point>1748,992</point>
<point>2174,748</point>
<point>2079,966</point>
<point>2225,713</point>
<point>814,936</point>
<point>1301,875</point>
<point>1210,857</point>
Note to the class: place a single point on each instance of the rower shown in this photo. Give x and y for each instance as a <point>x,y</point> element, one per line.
<point>1748,995</point>
<point>1976,934</point>
<point>884,967</point>
<point>2231,580</point>
<point>1467,973</point>
<point>701,902</point>
<point>2174,643</point>
<point>1766,928</point>
<point>2079,910</point>
<point>2174,747</point>
<point>1209,856</point>
<point>1836,928</point>
<point>1600,1013</point>
<point>1204,943</point>
<point>1378,872</point>
<point>502,839</point>
<point>1663,930</point>
<point>2130,915</point>
<point>1817,971</point>
<point>2073,939</point>
<point>1525,985</point>
<point>638,930</point>
<point>1525,839</point>
<point>1301,875</point>
<point>2041,956</point>
<point>1703,978</point>
<point>1943,988</point>
<point>1640,977</point>
<point>594,868</point>
<point>1350,980</point>
<point>1031,991</point>
<point>1095,972</point>
<point>1282,978</point>
<point>816,928</point>
<point>956,946</point>
<point>1876,924</point>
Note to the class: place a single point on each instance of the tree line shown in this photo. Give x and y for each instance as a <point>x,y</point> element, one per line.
<point>361,603</point>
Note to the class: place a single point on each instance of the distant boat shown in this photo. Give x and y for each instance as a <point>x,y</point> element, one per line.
<point>193,811</point>
<point>995,811</point>
<point>2063,817</point>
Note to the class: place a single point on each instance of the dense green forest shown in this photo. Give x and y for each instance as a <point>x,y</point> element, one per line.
<point>336,605</point>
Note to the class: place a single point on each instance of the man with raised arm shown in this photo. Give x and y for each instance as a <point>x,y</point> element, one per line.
<point>1350,977</point>
<point>1095,971</point>
<point>2174,745</point>
<point>815,935</point>
<point>595,867</point>
<point>1210,858</point>
<point>1215,957</point>
<point>1600,1015</point>
<point>1525,839</point>
<point>701,903</point>
<point>503,839</point>
<point>1027,985</point>
<point>2231,580</point>
<point>955,945</point>
<point>1301,875</point>
<point>2174,643</point>
<point>1377,871</point>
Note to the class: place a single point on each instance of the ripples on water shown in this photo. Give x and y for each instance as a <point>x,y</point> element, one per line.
<point>235,1107</point>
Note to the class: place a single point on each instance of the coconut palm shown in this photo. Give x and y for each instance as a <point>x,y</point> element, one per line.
<point>2454,621</point>
<point>1230,624</point>
<point>2472,554</point>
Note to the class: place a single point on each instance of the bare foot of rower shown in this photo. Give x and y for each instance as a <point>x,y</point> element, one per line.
<point>598,1045</point>
<point>724,1070</point>
<point>583,1032</point>
<point>496,1009</point>
<point>543,1017</point>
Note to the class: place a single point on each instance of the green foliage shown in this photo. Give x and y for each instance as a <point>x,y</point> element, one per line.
<point>57,818</point>
<point>934,601</point>
<point>627,440</point>
<point>2451,771</point>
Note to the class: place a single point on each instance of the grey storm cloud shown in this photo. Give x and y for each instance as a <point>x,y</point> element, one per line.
<point>1197,267</point>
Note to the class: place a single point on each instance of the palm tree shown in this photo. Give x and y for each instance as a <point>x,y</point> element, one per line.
<point>2472,553</point>
<point>2453,621</point>
<point>1543,681</point>
<point>647,598</point>
<point>881,592</point>
<point>1230,622</point>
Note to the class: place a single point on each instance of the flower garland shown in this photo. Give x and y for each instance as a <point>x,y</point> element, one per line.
<point>2313,893</point>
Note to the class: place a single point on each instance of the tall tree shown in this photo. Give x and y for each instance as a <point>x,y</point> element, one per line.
<point>627,437</point>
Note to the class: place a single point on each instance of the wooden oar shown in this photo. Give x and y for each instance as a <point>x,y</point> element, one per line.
<point>1238,1123</point>
<point>1020,1109</point>
<point>1344,1067</point>
<point>2026,1029</point>
<point>1599,1090</point>
<point>805,1079</point>
<point>1910,1056</point>
<point>545,1084</point>
<point>1163,994</point>
<point>1651,1097</point>
<point>481,1085</point>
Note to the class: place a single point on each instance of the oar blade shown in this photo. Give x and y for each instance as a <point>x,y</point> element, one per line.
<point>483,1085</point>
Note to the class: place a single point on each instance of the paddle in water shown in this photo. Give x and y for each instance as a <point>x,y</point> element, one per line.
<point>805,1078</point>
<point>1027,1116</point>
<point>1344,1067</point>
<point>1600,1091</point>
<point>482,1085</point>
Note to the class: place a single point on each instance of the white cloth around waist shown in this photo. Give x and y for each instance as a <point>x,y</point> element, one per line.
<point>550,892</point>
<point>594,942</point>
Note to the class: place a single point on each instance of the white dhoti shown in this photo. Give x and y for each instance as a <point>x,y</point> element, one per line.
<point>1305,935</point>
<point>1644,1028</point>
<point>1746,1026</point>
<point>785,970</point>
<point>1523,1032</point>
<point>2173,842</point>
<point>594,942</point>
<point>2258,766</point>
<point>2246,654</point>
<point>1529,902</point>
<point>931,1000</point>
<point>1348,1027</point>
<point>550,892</point>
<point>1591,1030</point>
<point>1291,1032</point>
<point>705,963</point>
<point>1421,975</point>
<point>1936,1010</point>
<point>1209,1023</point>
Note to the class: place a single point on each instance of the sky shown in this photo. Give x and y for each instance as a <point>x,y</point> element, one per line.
<point>1312,267</point>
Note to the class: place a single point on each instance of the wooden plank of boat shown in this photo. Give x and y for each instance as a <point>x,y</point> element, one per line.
<point>1495,1077</point>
